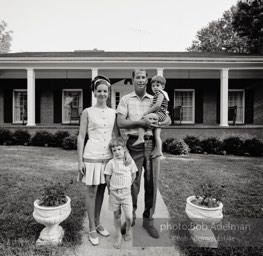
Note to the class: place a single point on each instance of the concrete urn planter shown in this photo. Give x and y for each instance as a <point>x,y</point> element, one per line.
<point>51,217</point>
<point>204,219</point>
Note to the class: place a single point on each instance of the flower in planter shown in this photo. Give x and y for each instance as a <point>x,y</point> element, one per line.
<point>208,193</point>
<point>54,194</point>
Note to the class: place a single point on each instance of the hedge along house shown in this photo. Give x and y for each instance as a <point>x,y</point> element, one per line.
<point>210,94</point>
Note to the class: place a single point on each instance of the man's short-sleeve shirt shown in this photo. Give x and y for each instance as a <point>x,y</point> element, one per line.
<point>133,108</point>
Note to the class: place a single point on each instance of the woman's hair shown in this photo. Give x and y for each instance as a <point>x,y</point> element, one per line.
<point>99,80</point>
<point>160,79</point>
<point>117,142</point>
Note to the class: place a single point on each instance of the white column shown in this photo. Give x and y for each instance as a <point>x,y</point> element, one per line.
<point>94,73</point>
<point>224,97</point>
<point>31,97</point>
<point>160,71</point>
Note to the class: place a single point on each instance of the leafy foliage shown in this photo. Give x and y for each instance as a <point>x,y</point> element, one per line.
<point>54,194</point>
<point>59,136</point>
<point>254,147</point>
<point>233,145</point>
<point>22,137</point>
<point>219,36</point>
<point>42,138</point>
<point>175,146</point>
<point>208,193</point>
<point>70,143</point>
<point>194,144</point>
<point>212,145</point>
<point>5,38</point>
<point>6,136</point>
<point>248,23</point>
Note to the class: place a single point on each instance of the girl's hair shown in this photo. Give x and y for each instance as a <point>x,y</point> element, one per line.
<point>99,80</point>
<point>158,78</point>
<point>117,142</point>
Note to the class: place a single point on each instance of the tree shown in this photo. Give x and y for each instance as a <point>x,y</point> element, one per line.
<point>5,38</point>
<point>248,22</point>
<point>219,36</point>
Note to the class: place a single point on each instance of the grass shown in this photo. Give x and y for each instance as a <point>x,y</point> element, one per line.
<point>242,178</point>
<point>24,171</point>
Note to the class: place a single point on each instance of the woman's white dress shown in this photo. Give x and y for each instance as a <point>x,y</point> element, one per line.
<point>97,151</point>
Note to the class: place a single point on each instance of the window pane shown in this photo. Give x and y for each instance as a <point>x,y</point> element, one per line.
<point>185,100</point>
<point>72,99</point>
<point>235,98</point>
<point>20,111</point>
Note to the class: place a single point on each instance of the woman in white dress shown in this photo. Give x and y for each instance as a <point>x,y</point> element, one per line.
<point>99,121</point>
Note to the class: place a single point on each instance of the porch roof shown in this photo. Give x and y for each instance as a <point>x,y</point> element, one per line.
<point>121,60</point>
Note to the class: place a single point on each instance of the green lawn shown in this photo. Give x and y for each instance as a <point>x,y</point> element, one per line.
<point>24,171</point>
<point>242,178</point>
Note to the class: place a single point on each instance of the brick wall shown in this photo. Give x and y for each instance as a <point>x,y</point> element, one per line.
<point>46,107</point>
<point>1,107</point>
<point>258,105</point>
<point>209,107</point>
<point>205,131</point>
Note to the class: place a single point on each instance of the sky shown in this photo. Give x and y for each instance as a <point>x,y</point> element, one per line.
<point>110,25</point>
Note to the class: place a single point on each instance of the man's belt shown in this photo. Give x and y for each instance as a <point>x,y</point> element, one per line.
<point>135,137</point>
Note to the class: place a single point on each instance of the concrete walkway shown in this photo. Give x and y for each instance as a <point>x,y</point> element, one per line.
<point>142,243</point>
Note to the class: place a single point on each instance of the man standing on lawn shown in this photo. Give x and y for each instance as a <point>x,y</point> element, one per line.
<point>130,112</point>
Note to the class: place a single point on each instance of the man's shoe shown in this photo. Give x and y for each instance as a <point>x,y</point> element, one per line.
<point>123,227</point>
<point>152,231</point>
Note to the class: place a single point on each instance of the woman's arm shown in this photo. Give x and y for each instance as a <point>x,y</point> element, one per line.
<point>81,139</point>
<point>116,131</point>
<point>157,105</point>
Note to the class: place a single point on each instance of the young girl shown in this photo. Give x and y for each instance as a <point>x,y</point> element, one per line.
<point>99,121</point>
<point>158,112</point>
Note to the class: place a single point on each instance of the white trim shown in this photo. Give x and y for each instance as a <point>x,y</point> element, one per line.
<point>63,103</point>
<point>193,107</point>
<point>13,106</point>
<point>243,103</point>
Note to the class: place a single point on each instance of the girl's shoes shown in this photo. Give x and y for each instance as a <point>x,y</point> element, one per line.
<point>94,241</point>
<point>103,232</point>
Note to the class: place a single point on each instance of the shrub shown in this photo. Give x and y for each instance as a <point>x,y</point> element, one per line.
<point>59,136</point>
<point>194,144</point>
<point>254,147</point>
<point>22,137</point>
<point>208,193</point>
<point>42,138</point>
<point>54,194</point>
<point>166,143</point>
<point>6,137</point>
<point>70,143</point>
<point>233,145</point>
<point>211,146</point>
<point>176,147</point>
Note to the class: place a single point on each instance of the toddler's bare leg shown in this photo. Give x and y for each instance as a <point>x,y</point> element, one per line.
<point>158,143</point>
<point>117,224</point>
<point>140,137</point>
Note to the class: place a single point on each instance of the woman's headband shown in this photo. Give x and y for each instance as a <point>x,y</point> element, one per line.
<point>100,80</point>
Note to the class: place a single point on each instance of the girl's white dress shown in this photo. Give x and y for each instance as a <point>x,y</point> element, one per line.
<point>97,151</point>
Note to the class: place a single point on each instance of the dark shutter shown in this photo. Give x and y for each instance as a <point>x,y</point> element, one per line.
<point>198,106</point>
<point>86,98</point>
<point>218,107</point>
<point>249,106</point>
<point>8,106</point>
<point>38,104</point>
<point>57,103</point>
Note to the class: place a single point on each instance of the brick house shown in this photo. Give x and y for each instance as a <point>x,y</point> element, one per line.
<point>210,94</point>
